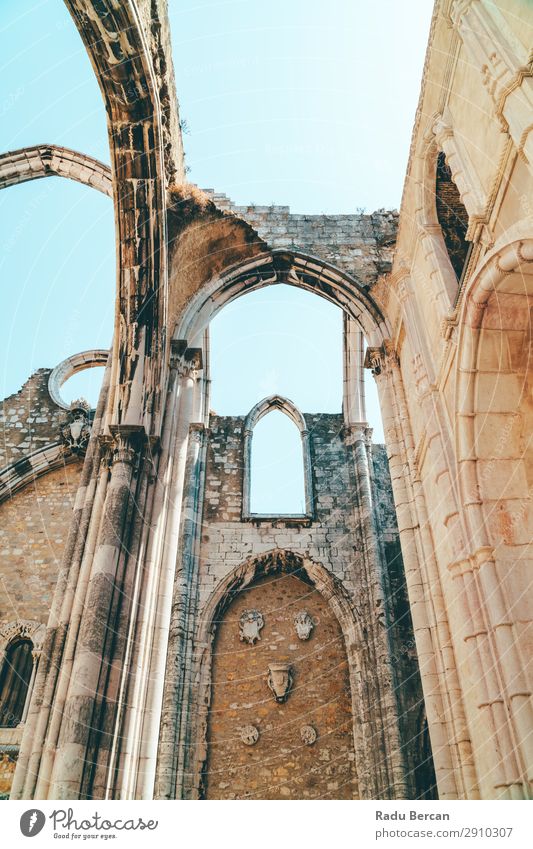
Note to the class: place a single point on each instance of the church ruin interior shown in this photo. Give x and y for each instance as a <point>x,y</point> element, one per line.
<point>161,637</point>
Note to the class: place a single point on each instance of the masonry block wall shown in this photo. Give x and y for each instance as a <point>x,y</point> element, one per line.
<point>29,419</point>
<point>33,529</point>
<point>360,244</point>
<point>334,538</point>
<point>331,538</point>
<point>35,517</point>
<point>281,764</point>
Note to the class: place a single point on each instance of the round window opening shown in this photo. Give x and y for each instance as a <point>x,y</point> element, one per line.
<point>78,378</point>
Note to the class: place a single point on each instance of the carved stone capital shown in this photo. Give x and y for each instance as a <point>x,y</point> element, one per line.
<point>354,433</point>
<point>196,431</point>
<point>127,442</point>
<point>379,360</point>
<point>186,361</point>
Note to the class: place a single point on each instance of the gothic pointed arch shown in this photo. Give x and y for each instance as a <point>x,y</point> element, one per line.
<point>371,783</point>
<point>289,409</point>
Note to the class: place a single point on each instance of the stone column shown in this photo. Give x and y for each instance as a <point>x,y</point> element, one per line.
<point>389,771</point>
<point>35,656</point>
<point>423,582</point>
<point>87,688</point>
<point>353,403</point>
<point>188,365</point>
<point>177,740</point>
<point>68,597</point>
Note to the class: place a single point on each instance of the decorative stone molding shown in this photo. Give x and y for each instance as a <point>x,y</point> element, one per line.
<point>308,735</point>
<point>19,474</point>
<point>303,624</point>
<point>503,63</point>
<point>250,623</point>
<point>463,174</point>
<point>23,629</point>
<point>75,429</point>
<point>249,735</point>
<point>280,680</point>
<point>380,359</point>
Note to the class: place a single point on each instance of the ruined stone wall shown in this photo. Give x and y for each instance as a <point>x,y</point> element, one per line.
<point>334,538</point>
<point>280,764</point>
<point>29,419</point>
<point>33,529</point>
<point>329,539</point>
<point>360,244</point>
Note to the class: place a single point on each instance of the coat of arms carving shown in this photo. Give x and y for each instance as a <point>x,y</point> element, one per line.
<point>250,623</point>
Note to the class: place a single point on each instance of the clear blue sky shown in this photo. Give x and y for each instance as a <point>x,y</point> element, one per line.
<point>306,103</point>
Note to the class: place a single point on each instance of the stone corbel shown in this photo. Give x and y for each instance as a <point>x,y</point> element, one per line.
<point>449,327</point>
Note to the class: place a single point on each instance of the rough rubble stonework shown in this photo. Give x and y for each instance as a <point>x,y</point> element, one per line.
<point>416,555</point>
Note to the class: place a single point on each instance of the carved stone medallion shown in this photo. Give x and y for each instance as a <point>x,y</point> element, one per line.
<point>250,624</point>
<point>303,624</point>
<point>308,735</point>
<point>280,680</point>
<point>249,734</point>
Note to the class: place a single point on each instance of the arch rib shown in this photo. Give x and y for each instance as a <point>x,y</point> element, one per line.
<point>49,160</point>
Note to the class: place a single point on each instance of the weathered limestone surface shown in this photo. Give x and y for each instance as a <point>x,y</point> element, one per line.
<point>449,354</point>
<point>336,537</point>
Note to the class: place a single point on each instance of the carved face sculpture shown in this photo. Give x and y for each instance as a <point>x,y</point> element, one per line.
<point>250,623</point>
<point>280,680</point>
<point>303,624</point>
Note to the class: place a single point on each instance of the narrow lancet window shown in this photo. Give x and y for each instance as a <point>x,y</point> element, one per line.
<point>14,681</point>
<point>277,480</point>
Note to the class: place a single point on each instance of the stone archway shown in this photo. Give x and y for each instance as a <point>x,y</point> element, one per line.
<point>493,578</point>
<point>362,702</point>
<point>305,745</point>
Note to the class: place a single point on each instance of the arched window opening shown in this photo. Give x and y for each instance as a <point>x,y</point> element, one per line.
<point>277,476</point>
<point>275,340</point>
<point>14,682</point>
<point>86,384</point>
<point>452,216</point>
